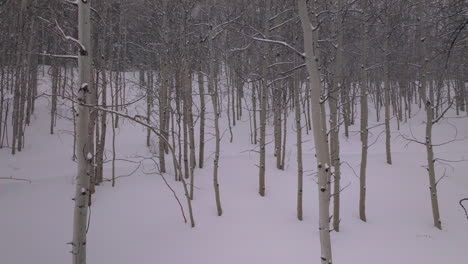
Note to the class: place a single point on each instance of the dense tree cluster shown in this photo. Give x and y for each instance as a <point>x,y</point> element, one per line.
<point>326,62</point>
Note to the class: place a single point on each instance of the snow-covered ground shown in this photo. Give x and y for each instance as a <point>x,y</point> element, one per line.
<point>139,221</point>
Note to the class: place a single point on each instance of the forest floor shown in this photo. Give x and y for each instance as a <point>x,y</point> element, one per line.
<point>139,221</point>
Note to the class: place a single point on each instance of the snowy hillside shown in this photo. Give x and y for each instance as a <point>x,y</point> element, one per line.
<point>139,220</point>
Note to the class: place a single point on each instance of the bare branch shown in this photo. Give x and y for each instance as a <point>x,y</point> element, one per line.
<point>301,54</point>
<point>461,204</point>
<point>15,179</point>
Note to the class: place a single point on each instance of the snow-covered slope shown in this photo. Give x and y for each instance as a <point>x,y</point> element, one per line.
<point>139,221</point>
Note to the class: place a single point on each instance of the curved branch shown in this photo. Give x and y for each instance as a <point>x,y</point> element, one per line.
<point>461,204</point>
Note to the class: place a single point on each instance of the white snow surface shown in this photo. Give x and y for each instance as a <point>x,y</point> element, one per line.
<point>139,221</point>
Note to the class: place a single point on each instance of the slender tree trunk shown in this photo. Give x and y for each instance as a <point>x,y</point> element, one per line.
<point>191,131</point>
<point>364,119</point>
<point>263,110</point>
<point>84,156</point>
<point>75,115</point>
<point>2,99</point>
<point>352,103</point>
<point>276,103</point>
<point>53,108</point>
<point>307,109</point>
<point>428,103</point>
<point>254,109</point>
<point>176,173</point>
<point>239,97</point>
<point>387,98</point>
<point>163,100</point>
<point>145,86</point>
<point>185,134</point>
<point>16,141</point>
<point>285,127</point>
<point>345,108</point>
<point>93,130</point>
<point>32,70</point>
<point>201,148</point>
<point>213,89</point>
<point>300,170</point>
<point>229,86</point>
<point>5,131</point>
<point>233,98</point>
<point>337,85</point>
<point>102,141</point>
<point>321,146</point>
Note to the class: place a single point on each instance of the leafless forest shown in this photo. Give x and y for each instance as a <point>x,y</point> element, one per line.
<point>327,67</point>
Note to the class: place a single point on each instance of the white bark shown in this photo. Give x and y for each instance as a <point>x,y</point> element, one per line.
<point>84,157</point>
<point>300,170</point>
<point>321,146</point>
<point>213,89</point>
<point>428,103</point>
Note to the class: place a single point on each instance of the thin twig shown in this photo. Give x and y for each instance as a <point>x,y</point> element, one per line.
<point>461,204</point>
<point>15,179</point>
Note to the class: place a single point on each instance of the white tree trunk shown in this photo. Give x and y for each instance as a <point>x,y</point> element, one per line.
<point>300,170</point>
<point>213,89</point>
<point>83,155</point>
<point>428,103</point>
<point>321,146</point>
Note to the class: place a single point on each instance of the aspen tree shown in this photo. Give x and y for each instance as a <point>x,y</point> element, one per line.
<point>17,126</point>
<point>387,92</point>
<point>321,146</point>
<point>254,110</point>
<point>191,129</point>
<point>53,107</point>
<point>145,86</point>
<point>300,170</point>
<point>102,141</point>
<point>213,89</point>
<point>201,145</point>
<point>276,105</point>
<point>83,152</point>
<point>285,128</point>
<point>428,106</point>
<point>233,98</point>
<point>228,108</point>
<point>185,106</point>
<point>162,121</point>
<point>334,114</point>
<point>263,109</point>
<point>364,116</point>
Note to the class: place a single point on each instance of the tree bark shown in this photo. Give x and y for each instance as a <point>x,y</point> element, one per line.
<point>213,89</point>
<point>263,110</point>
<point>102,141</point>
<point>201,147</point>
<point>321,146</point>
<point>429,115</point>
<point>300,170</point>
<point>364,118</point>
<point>387,97</point>
<point>337,85</point>
<point>84,156</point>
